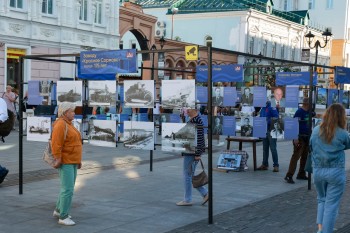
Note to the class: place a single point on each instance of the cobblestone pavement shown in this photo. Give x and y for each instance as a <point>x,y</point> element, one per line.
<point>290,212</point>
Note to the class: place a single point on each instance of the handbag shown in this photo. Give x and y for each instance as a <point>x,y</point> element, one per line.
<point>201,179</point>
<point>47,155</point>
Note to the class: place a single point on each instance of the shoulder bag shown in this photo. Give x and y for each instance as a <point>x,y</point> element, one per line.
<point>201,179</point>
<point>47,155</point>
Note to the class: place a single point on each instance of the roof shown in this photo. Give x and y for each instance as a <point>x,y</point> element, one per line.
<point>201,6</point>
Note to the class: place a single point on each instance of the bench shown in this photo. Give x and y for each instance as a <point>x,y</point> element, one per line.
<point>244,139</point>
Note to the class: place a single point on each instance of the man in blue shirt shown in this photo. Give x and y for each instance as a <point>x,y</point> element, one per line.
<point>269,142</point>
<point>301,145</point>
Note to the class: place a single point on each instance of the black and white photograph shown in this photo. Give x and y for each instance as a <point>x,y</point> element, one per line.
<point>138,135</point>
<point>217,125</point>
<point>178,137</point>
<point>178,94</point>
<point>77,123</point>
<point>102,133</point>
<point>102,93</point>
<point>38,129</point>
<point>218,96</point>
<point>277,128</point>
<point>247,126</point>
<point>247,96</point>
<point>44,87</point>
<point>70,91</point>
<point>139,93</point>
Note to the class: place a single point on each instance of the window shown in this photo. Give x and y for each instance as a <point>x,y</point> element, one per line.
<point>16,4</point>
<point>47,7</point>
<point>83,10</point>
<point>264,48</point>
<point>329,4</point>
<point>274,48</point>
<point>251,46</point>
<point>311,4</point>
<point>292,57</point>
<point>98,13</point>
<point>282,51</point>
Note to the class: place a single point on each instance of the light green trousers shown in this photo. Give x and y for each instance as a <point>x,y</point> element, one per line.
<point>68,175</point>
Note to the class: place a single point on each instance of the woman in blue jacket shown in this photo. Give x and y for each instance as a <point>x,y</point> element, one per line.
<point>328,142</point>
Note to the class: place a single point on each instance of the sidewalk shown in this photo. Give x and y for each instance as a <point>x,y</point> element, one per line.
<point>116,192</point>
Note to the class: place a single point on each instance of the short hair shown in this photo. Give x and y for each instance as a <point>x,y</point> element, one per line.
<point>305,100</point>
<point>64,107</point>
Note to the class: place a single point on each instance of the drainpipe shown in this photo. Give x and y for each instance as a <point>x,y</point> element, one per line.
<point>247,44</point>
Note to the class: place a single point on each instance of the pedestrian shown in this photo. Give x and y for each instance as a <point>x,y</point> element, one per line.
<point>10,98</point>
<point>328,142</point>
<point>67,150</point>
<point>3,120</point>
<point>191,160</point>
<point>301,145</point>
<point>269,142</point>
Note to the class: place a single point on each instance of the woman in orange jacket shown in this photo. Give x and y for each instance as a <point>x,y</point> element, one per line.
<point>67,150</point>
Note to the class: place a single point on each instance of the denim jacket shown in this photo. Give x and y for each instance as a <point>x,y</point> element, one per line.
<point>331,155</point>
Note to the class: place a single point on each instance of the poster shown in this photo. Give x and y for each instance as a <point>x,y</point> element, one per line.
<point>259,98</point>
<point>292,97</point>
<point>332,97</point>
<point>34,97</point>
<point>178,137</point>
<point>183,97</point>
<point>70,91</point>
<point>260,127</point>
<point>202,95</point>
<point>229,161</point>
<point>291,128</point>
<point>139,93</point>
<point>229,126</point>
<point>138,135</point>
<point>345,98</point>
<point>44,87</point>
<point>277,128</point>
<point>321,98</point>
<point>217,125</point>
<point>102,93</point>
<point>247,96</point>
<point>230,96</point>
<point>247,126</point>
<point>38,129</point>
<point>102,133</point>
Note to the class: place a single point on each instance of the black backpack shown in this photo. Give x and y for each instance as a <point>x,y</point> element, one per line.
<point>7,126</point>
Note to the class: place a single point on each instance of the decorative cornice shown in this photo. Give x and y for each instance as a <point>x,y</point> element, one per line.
<point>97,40</point>
<point>83,38</point>
<point>47,32</point>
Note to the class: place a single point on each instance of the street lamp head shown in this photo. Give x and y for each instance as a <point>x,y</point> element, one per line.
<point>174,10</point>
<point>310,37</point>
<point>326,35</point>
<point>162,42</point>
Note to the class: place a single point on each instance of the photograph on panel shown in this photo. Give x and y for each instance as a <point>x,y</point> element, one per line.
<point>178,94</point>
<point>277,97</point>
<point>139,93</point>
<point>345,99</point>
<point>217,125</point>
<point>333,96</point>
<point>70,91</point>
<point>44,87</point>
<point>102,133</point>
<point>218,96</point>
<point>77,123</point>
<point>247,96</point>
<point>178,137</point>
<point>102,93</point>
<point>277,128</point>
<point>289,112</point>
<point>321,98</point>
<point>38,129</point>
<point>138,135</point>
<point>247,126</point>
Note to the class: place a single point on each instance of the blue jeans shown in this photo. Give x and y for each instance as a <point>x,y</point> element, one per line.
<point>330,185</point>
<point>68,175</point>
<point>271,143</point>
<point>188,173</point>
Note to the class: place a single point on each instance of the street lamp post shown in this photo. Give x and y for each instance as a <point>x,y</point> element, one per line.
<point>174,11</point>
<point>317,44</point>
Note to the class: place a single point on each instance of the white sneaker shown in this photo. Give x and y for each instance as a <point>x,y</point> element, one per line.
<point>57,214</point>
<point>66,222</point>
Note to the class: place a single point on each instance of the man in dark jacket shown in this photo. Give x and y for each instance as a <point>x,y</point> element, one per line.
<point>269,142</point>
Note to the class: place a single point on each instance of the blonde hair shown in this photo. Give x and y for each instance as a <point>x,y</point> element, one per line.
<point>334,117</point>
<point>64,107</point>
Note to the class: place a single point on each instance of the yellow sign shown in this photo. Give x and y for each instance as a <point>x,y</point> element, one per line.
<point>191,53</point>
<point>15,53</point>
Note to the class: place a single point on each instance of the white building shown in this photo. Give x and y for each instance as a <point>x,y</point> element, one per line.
<point>53,27</point>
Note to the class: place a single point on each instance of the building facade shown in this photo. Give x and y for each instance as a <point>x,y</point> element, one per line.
<point>30,27</point>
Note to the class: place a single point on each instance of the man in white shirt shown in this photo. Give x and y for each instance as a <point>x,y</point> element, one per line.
<point>3,111</point>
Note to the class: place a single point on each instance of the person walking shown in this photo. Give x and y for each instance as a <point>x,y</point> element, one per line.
<point>191,160</point>
<point>269,142</point>
<point>67,150</point>
<point>3,119</point>
<point>328,142</point>
<point>300,146</point>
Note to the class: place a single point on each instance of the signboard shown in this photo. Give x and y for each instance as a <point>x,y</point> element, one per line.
<point>294,78</point>
<point>191,52</point>
<point>106,64</point>
<point>221,73</point>
<point>342,75</point>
